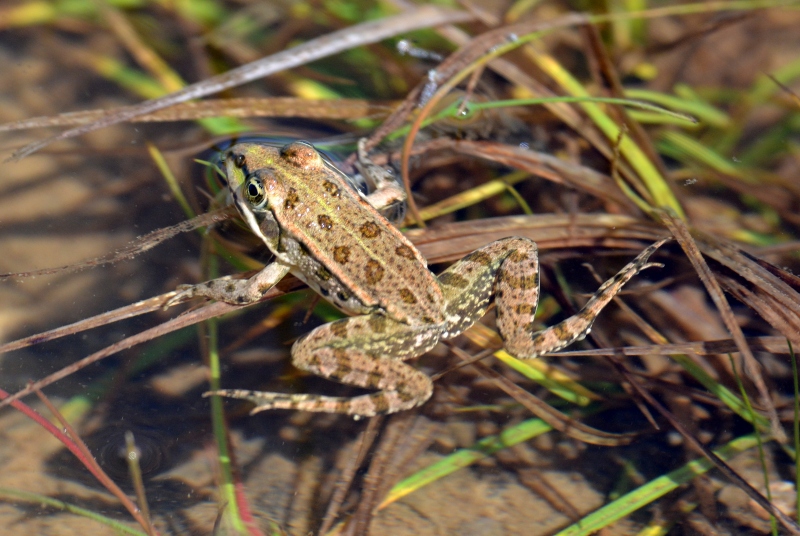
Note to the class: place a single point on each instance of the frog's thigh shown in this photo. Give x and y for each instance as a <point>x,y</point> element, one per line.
<point>507,268</point>
<point>368,351</point>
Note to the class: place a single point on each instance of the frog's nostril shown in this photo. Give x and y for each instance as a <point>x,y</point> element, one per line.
<point>239,160</point>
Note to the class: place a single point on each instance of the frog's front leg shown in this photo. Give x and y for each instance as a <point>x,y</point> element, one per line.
<point>365,351</point>
<point>509,270</point>
<point>235,291</point>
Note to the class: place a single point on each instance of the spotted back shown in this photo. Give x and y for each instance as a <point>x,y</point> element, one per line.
<point>339,235</point>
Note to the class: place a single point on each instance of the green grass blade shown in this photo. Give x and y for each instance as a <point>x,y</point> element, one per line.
<point>656,184</point>
<point>465,457</point>
<point>764,471</point>
<point>170,179</point>
<point>725,395</point>
<point>684,147</point>
<point>702,111</point>
<point>654,490</point>
<point>549,378</point>
<point>35,498</point>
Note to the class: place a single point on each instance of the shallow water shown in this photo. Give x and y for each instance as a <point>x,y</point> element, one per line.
<point>86,197</point>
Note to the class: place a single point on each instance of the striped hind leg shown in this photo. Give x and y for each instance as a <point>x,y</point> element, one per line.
<point>516,324</point>
<point>363,351</point>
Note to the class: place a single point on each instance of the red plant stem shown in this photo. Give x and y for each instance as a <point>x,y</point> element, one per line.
<point>244,508</point>
<point>91,464</point>
<point>77,447</point>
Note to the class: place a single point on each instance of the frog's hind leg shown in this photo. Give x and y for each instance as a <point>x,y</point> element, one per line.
<point>515,318</point>
<point>509,270</point>
<point>365,351</point>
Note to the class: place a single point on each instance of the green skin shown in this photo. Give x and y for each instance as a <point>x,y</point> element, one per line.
<point>335,239</point>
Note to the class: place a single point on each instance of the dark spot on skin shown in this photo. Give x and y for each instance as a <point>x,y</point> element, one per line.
<point>405,252</point>
<point>324,292</point>
<point>331,188</point>
<point>342,370</point>
<point>377,323</point>
<point>263,289</point>
<point>292,199</point>
<point>374,379</point>
<point>524,309</point>
<point>340,354</point>
<point>374,272</point>
<point>407,296</point>
<point>404,396</point>
<point>380,403</point>
<point>560,332</point>
<point>479,257</point>
<point>339,329</point>
<point>452,279</point>
<point>427,320</point>
<point>521,283</point>
<point>322,274</point>
<point>230,287</point>
<point>518,256</point>
<point>369,230</point>
<point>341,254</point>
<point>314,361</point>
<point>325,222</point>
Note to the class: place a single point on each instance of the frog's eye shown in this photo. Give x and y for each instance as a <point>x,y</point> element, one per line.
<point>254,192</point>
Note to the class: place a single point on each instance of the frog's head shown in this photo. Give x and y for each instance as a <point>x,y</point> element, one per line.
<point>253,168</point>
<point>248,164</point>
<point>241,163</point>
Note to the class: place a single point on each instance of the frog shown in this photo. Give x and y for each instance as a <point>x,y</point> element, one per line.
<point>336,240</point>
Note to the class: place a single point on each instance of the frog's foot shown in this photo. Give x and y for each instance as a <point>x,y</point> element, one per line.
<point>575,328</point>
<point>223,289</point>
<point>231,290</point>
<point>358,406</point>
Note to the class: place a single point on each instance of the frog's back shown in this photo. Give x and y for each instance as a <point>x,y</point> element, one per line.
<point>339,230</point>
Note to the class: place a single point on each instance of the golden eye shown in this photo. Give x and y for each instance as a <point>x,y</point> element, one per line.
<point>254,192</point>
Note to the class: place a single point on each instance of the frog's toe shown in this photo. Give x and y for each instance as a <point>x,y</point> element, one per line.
<point>232,393</point>
<point>244,394</point>
<point>182,294</point>
<point>263,401</point>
